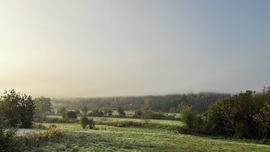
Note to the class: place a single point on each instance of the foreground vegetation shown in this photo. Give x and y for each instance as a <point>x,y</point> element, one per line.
<point>234,123</point>
<point>244,115</point>
<point>157,136</point>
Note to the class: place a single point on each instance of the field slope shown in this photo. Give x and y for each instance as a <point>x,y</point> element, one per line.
<point>159,137</point>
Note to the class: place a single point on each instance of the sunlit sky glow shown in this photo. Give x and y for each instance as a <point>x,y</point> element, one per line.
<point>87,48</point>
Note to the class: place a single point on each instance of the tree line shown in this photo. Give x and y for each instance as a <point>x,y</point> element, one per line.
<point>243,115</point>
<point>165,103</point>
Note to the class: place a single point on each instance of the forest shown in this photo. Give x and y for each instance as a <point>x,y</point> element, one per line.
<point>164,103</point>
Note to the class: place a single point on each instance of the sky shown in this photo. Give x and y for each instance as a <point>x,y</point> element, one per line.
<point>96,48</point>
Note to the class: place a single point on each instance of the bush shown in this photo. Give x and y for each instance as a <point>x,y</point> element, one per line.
<point>17,109</point>
<point>263,121</point>
<point>63,112</point>
<point>87,122</point>
<point>84,121</point>
<point>137,114</point>
<point>50,134</point>
<point>233,116</point>
<point>8,140</point>
<point>189,117</point>
<point>146,116</point>
<point>91,123</point>
<point>121,112</point>
<point>71,115</point>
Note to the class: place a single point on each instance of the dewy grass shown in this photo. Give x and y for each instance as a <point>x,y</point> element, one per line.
<point>159,136</point>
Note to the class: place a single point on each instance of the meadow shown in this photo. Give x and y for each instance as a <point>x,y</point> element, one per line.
<point>158,135</point>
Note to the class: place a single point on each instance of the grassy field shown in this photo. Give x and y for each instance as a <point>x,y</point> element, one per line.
<point>161,135</point>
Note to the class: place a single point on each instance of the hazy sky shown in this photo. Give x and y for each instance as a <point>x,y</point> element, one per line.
<point>88,48</point>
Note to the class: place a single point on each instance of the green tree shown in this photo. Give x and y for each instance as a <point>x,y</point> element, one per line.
<point>216,122</point>
<point>121,111</point>
<point>84,121</point>
<point>191,118</point>
<point>233,116</point>
<point>263,120</point>
<point>238,110</point>
<point>85,111</point>
<point>43,105</point>
<point>106,111</point>
<point>63,112</point>
<point>17,108</point>
<point>110,112</point>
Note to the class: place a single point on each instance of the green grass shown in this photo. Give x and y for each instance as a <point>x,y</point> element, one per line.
<point>160,136</point>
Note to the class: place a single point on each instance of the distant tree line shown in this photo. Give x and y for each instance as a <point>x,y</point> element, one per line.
<point>166,103</point>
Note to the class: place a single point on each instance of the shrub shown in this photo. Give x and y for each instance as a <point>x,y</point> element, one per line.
<point>91,123</point>
<point>63,112</point>
<point>137,114</point>
<point>233,116</point>
<point>8,141</point>
<point>17,108</point>
<point>121,111</point>
<point>50,134</point>
<point>107,112</point>
<point>146,115</point>
<point>189,117</point>
<point>71,115</point>
<point>87,122</point>
<point>263,121</point>
<point>84,111</point>
<point>84,121</point>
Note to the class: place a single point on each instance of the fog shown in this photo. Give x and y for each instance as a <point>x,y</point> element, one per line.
<point>126,48</point>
